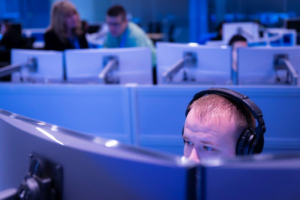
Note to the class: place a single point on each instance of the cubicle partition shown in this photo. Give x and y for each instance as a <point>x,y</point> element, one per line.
<point>148,116</point>
<point>160,115</point>
<point>92,109</point>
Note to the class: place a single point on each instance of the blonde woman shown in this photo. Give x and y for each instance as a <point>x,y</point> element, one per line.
<point>65,30</point>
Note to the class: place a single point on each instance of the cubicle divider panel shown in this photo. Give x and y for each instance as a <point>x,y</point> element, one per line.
<point>160,115</point>
<point>281,110</point>
<point>147,116</point>
<point>92,109</point>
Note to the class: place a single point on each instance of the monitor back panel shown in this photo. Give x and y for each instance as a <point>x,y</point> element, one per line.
<point>255,65</point>
<point>49,64</point>
<point>231,29</point>
<point>86,65</point>
<point>213,63</point>
<point>261,178</point>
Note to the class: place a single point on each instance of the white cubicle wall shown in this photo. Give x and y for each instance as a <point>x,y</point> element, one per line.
<point>256,64</point>
<point>213,63</point>
<point>148,116</point>
<point>49,65</point>
<point>134,64</point>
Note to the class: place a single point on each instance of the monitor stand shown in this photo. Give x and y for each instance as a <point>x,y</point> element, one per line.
<point>42,182</point>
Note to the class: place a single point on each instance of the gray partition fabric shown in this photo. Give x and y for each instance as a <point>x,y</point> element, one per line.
<point>148,116</point>
<point>160,115</point>
<point>92,109</point>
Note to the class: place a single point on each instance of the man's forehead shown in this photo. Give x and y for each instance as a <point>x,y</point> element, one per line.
<point>213,125</point>
<point>196,119</point>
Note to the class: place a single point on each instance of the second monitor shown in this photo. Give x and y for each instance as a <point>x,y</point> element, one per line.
<point>109,66</point>
<point>193,64</point>
<point>267,65</point>
<point>48,65</point>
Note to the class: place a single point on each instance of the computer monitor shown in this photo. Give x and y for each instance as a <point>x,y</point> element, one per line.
<point>207,65</point>
<point>49,65</point>
<point>256,65</point>
<point>133,65</point>
<point>89,167</point>
<point>293,23</point>
<point>248,29</point>
<point>257,177</point>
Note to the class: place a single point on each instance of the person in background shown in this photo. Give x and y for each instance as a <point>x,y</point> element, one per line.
<point>219,30</point>
<point>237,41</point>
<point>123,34</point>
<point>65,30</point>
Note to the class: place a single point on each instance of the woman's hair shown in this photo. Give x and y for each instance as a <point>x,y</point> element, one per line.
<point>59,11</point>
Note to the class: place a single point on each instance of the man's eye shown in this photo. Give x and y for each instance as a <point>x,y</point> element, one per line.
<point>208,148</point>
<point>188,142</point>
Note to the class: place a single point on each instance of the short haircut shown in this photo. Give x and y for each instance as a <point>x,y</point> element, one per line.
<point>115,11</point>
<point>219,108</point>
<point>237,38</point>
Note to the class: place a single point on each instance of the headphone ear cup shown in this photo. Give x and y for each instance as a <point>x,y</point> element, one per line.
<point>258,144</point>
<point>243,142</point>
<point>182,132</point>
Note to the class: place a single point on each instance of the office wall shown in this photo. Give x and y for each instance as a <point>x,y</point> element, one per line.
<point>241,10</point>
<point>31,13</point>
<point>35,13</point>
<point>252,6</point>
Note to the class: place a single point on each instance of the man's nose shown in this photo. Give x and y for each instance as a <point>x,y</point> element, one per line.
<point>194,156</point>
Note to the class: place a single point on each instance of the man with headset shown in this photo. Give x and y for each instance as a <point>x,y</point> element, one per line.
<point>221,123</point>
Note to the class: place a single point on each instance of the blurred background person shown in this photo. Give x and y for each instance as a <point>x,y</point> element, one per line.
<point>219,30</point>
<point>237,41</point>
<point>123,33</point>
<point>11,39</point>
<point>64,31</point>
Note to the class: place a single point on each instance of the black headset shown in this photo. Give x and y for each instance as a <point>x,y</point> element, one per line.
<point>250,141</point>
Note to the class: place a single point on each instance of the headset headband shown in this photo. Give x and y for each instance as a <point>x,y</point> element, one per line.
<point>238,98</point>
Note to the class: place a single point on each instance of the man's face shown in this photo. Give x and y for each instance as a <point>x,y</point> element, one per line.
<point>209,139</point>
<point>71,20</point>
<point>117,25</point>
